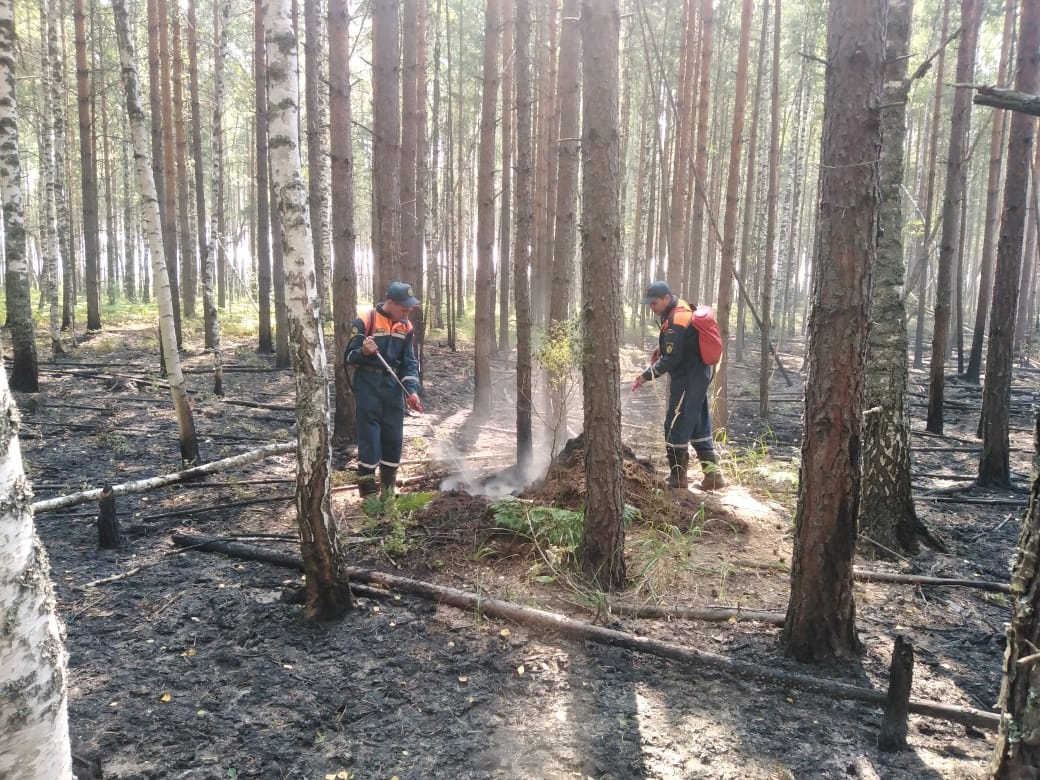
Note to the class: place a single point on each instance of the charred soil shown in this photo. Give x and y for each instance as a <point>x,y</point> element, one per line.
<point>185,664</point>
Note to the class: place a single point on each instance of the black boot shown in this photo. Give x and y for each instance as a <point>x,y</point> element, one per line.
<point>713,479</point>
<point>387,480</point>
<point>366,481</point>
<point>678,463</point>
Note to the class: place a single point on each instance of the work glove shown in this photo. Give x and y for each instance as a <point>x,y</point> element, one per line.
<point>414,403</point>
<point>638,383</point>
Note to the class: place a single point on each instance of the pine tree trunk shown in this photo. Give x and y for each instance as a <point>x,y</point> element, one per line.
<point>386,145</point>
<point>34,742</point>
<point>129,237</point>
<point>263,202</point>
<point>522,241</point>
<point>484,307</point>
<point>435,235</point>
<point>505,228</point>
<point>25,374</point>
<point>88,174</point>
<point>989,239</point>
<point>189,446</point>
<point>887,519</point>
<point>772,207</point>
<point>700,178</point>
<point>956,162</point>
<point>821,616</point>
<point>929,198</point>
<point>344,286</point>
<point>729,224</point>
<point>994,466</point>
<point>603,532</point>
<point>328,593</point>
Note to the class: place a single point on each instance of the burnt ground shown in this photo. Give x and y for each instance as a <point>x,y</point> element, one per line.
<point>186,664</point>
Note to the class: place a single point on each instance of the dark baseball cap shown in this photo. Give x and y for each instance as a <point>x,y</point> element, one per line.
<point>401,293</point>
<point>655,291</point>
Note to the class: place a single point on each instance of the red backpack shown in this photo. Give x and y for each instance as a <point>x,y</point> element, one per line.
<point>708,336</point>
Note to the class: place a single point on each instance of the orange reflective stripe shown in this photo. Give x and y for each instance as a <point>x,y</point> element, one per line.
<point>681,315</point>
<point>386,325</point>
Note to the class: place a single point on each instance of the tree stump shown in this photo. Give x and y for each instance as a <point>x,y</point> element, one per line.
<point>897,707</point>
<point>109,535</point>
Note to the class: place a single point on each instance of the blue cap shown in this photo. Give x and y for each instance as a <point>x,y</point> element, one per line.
<point>655,291</point>
<point>401,293</point>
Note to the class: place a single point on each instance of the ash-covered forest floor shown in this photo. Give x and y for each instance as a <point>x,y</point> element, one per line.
<point>192,665</point>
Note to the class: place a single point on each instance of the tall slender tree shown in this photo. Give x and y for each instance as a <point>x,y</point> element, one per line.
<point>956,173</point>
<point>772,198</point>
<point>211,317</point>
<point>989,239</point>
<point>821,613</point>
<point>994,465</point>
<point>88,171</point>
<point>386,143</point>
<point>149,198</point>
<point>344,288</point>
<point>25,372</point>
<point>34,741</point>
<point>263,197</point>
<point>328,593</point>
<point>316,139</point>
<point>483,311</point>
<point>603,532</point>
<point>522,240</point>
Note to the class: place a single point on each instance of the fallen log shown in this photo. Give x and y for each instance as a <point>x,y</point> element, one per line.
<point>151,483</point>
<point>712,614</point>
<point>865,575</point>
<point>576,629</point>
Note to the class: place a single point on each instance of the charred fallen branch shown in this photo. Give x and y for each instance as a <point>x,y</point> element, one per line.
<point>575,629</point>
<point>145,485</point>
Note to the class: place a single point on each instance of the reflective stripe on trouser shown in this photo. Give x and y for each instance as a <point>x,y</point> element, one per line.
<point>687,419</point>
<point>379,405</point>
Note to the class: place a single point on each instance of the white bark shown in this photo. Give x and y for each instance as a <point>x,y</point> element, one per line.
<point>48,175</point>
<point>322,562</point>
<point>34,727</point>
<point>150,225</point>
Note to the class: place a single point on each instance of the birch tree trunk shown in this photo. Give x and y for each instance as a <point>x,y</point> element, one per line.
<point>344,288</point>
<point>328,593</point>
<point>62,212</point>
<point>48,176</point>
<point>505,219</point>
<point>700,176</point>
<point>603,532</point>
<point>208,307</point>
<point>189,445</point>
<point>821,615</point>
<point>316,155</point>
<point>169,190</point>
<point>34,740</point>
<point>221,16</point>
<point>484,307</point>
<point>88,175</point>
<point>187,253</point>
<point>887,519</point>
<point>25,373</point>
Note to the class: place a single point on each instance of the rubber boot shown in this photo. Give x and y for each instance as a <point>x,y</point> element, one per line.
<point>678,463</point>
<point>713,479</point>
<point>366,481</point>
<point>387,481</point>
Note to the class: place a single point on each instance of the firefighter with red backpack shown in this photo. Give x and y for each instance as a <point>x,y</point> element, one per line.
<point>386,378</point>
<point>689,345</point>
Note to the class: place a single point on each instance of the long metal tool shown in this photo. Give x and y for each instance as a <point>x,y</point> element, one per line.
<point>392,372</point>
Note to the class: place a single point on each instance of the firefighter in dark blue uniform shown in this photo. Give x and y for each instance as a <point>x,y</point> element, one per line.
<point>380,396</point>
<point>687,419</point>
